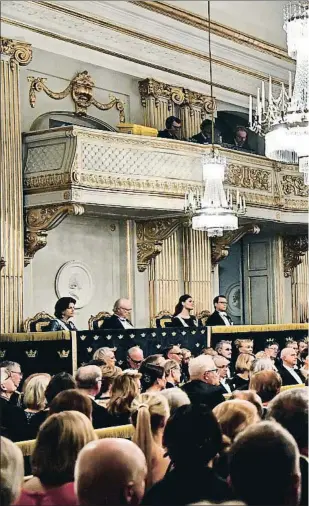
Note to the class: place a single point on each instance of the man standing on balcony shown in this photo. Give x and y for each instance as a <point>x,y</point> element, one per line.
<point>172,130</point>
<point>219,316</point>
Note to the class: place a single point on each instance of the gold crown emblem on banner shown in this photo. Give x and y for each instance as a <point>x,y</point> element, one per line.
<point>2,353</point>
<point>63,353</point>
<point>31,353</point>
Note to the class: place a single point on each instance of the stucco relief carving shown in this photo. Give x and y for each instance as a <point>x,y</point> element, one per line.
<point>245,177</point>
<point>294,185</point>
<point>20,53</point>
<point>294,248</point>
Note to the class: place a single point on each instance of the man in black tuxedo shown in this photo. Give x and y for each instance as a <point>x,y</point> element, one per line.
<point>205,135</point>
<point>89,381</point>
<point>204,386</point>
<point>219,316</point>
<point>287,371</point>
<point>172,130</point>
<point>119,320</point>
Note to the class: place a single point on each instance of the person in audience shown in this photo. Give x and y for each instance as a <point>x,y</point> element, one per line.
<point>11,472</point>
<point>124,389</point>
<point>193,438</point>
<point>173,352</point>
<point>264,466</point>
<point>242,367</point>
<point>182,316</point>
<point>155,360</point>
<point>135,357</point>
<point>219,316</point>
<point>59,441</point>
<point>64,311</point>
<point>290,409</point>
<point>172,373</point>
<point>13,419</point>
<point>287,372</point>
<point>262,364</point>
<point>153,378</point>
<point>244,345</point>
<point>71,400</point>
<point>271,349</point>
<point>172,130</point>
<point>149,414</point>
<point>250,396</point>
<point>222,365</point>
<point>34,399</point>
<point>302,352</point>
<point>291,343</point>
<point>109,373</point>
<point>304,370</point>
<point>16,376</point>
<point>233,417</point>
<point>105,354</point>
<point>111,471</point>
<point>186,357</point>
<point>89,379</point>
<point>119,320</point>
<point>58,383</point>
<point>241,138</point>
<point>175,398</point>
<point>224,349</point>
<point>205,135</point>
<point>267,385</point>
<point>210,351</point>
<point>204,385</point>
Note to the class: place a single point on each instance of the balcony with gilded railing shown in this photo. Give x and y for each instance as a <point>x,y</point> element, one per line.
<point>75,165</point>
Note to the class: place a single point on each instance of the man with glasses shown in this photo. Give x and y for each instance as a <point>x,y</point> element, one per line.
<point>223,365</point>
<point>224,349</point>
<point>204,385</point>
<point>135,357</point>
<point>120,319</point>
<point>16,376</point>
<point>173,352</point>
<point>219,316</point>
<point>13,419</point>
<point>172,130</point>
<point>172,373</point>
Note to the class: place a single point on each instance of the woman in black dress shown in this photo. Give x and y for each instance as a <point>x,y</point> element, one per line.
<point>182,317</point>
<point>64,311</point>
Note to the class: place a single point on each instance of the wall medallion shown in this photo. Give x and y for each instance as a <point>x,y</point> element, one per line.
<point>233,297</point>
<point>74,280</point>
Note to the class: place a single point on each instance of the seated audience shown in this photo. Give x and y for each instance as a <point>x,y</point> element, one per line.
<point>204,385</point>
<point>153,378</point>
<point>110,472</point>
<point>59,441</point>
<point>241,138</point>
<point>172,130</point>
<point>173,352</point>
<point>34,399</point>
<point>172,373</point>
<point>11,472</point>
<point>88,379</point>
<point>186,357</point>
<point>58,383</point>
<point>242,369</point>
<point>14,370</point>
<point>109,373</point>
<point>205,135</point>
<point>219,316</point>
<point>149,416</point>
<point>105,354</point>
<point>304,370</point>
<point>135,357</point>
<point>71,400</point>
<point>155,360</point>
<point>13,419</point>
<point>222,365</point>
<point>290,409</point>
<point>250,396</point>
<point>224,349</point>
<point>119,320</point>
<point>271,349</point>
<point>287,372</point>
<point>64,311</point>
<point>262,364</point>
<point>124,389</point>
<point>193,438</point>
<point>267,385</point>
<point>244,346</point>
<point>182,316</point>
<point>175,398</point>
<point>210,351</point>
<point>291,343</point>
<point>302,351</point>
<point>264,466</point>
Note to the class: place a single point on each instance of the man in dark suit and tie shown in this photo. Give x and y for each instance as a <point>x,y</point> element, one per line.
<point>204,385</point>
<point>219,316</point>
<point>287,371</point>
<point>119,320</point>
<point>205,135</point>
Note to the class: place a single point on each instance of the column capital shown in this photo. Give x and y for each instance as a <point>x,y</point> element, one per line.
<point>19,52</point>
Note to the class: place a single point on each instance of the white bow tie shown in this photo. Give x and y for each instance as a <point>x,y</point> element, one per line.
<point>222,313</point>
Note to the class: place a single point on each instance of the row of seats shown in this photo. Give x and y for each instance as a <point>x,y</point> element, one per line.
<point>41,321</point>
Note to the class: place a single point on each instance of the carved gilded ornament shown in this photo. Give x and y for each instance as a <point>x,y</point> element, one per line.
<point>245,177</point>
<point>294,185</point>
<point>294,248</point>
<point>39,220</point>
<point>220,246</point>
<point>150,236</point>
<point>81,90</point>
<point>20,53</point>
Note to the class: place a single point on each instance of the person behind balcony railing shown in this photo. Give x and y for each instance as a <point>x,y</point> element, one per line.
<point>64,311</point>
<point>13,419</point>
<point>219,316</point>
<point>205,135</point>
<point>240,139</point>
<point>172,130</point>
<point>182,316</point>
<point>119,320</point>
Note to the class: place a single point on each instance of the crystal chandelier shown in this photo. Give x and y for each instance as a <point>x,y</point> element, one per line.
<point>285,120</point>
<point>211,209</point>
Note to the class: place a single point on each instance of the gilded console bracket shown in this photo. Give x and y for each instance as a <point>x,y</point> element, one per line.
<point>294,248</point>
<point>220,246</point>
<point>81,90</point>
<point>150,236</point>
<point>40,220</point>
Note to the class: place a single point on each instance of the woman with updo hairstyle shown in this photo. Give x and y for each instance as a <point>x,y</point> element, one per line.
<point>244,345</point>
<point>149,414</point>
<point>124,389</point>
<point>64,310</point>
<point>153,378</point>
<point>181,316</point>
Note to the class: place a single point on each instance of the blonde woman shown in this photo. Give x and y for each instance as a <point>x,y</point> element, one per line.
<point>244,345</point>
<point>242,368</point>
<point>149,413</point>
<point>124,389</point>
<point>60,439</point>
<point>34,395</point>
<point>109,373</point>
<point>11,472</point>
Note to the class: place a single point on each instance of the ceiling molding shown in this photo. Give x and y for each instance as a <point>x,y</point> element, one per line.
<point>224,31</point>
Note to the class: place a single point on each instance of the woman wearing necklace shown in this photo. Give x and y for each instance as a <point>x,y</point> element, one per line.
<point>182,317</point>
<point>64,311</point>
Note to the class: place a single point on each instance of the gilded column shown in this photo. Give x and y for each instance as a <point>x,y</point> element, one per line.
<point>13,54</point>
<point>278,279</point>
<point>300,289</point>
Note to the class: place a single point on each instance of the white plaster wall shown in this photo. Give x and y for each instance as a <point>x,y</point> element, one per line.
<point>59,70</point>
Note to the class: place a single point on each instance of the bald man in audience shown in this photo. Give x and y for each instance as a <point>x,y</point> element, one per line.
<point>89,381</point>
<point>287,371</point>
<point>110,472</point>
